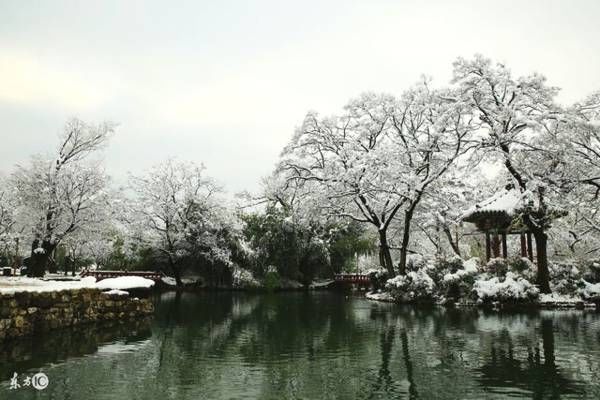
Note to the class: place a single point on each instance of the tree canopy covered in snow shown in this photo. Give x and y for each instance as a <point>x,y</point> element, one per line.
<point>394,175</point>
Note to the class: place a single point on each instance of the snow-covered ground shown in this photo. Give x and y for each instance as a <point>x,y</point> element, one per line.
<point>125,282</point>
<point>25,284</point>
<point>379,296</point>
<point>559,300</point>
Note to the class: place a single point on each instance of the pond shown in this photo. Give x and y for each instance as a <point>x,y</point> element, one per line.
<point>313,346</point>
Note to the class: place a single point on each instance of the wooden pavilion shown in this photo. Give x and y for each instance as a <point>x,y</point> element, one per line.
<point>499,216</point>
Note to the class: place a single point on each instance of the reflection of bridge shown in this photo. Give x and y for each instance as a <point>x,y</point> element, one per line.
<point>359,280</point>
<point>99,275</point>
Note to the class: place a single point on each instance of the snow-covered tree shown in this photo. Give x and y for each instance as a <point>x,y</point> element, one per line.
<point>580,230</point>
<point>10,232</point>
<point>181,214</point>
<point>61,195</point>
<point>374,163</point>
<point>524,129</point>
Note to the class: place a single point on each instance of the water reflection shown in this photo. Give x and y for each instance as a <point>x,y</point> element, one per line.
<point>224,345</point>
<point>534,371</point>
<point>31,353</point>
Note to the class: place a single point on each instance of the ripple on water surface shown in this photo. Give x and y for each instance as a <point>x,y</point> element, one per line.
<point>321,345</point>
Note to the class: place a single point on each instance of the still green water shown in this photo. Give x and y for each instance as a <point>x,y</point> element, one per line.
<point>313,346</point>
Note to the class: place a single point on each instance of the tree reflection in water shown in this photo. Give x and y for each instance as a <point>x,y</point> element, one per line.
<point>323,345</point>
<point>543,378</point>
<point>29,353</point>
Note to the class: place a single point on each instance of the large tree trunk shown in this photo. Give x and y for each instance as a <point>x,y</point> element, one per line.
<point>385,257</point>
<point>408,215</point>
<point>543,274</point>
<point>176,272</point>
<point>39,260</point>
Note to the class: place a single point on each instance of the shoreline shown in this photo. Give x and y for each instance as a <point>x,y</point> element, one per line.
<point>25,313</point>
<point>576,305</point>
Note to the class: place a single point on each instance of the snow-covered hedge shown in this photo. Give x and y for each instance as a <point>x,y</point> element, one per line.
<point>459,281</point>
<point>522,266</point>
<point>497,266</point>
<point>443,266</point>
<point>565,277</point>
<point>510,289</point>
<point>243,279</point>
<point>378,277</point>
<point>415,286</point>
<point>592,271</point>
<point>590,292</point>
<point>415,262</point>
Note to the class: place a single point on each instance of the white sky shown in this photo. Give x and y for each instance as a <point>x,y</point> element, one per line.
<point>225,83</point>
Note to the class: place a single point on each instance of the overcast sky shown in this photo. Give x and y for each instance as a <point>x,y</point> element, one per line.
<point>225,83</point>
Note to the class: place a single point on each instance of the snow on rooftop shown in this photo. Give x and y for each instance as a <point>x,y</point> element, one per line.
<point>506,200</point>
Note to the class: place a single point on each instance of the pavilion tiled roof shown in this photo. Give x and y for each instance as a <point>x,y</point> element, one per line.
<point>505,203</point>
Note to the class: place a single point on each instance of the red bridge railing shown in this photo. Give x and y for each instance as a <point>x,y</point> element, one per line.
<point>99,274</point>
<point>357,279</point>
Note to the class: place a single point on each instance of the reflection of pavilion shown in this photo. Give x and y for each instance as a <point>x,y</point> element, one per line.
<point>542,378</point>
<point>499,216</point>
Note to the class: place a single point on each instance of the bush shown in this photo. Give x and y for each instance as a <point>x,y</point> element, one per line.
<point>520,265</point>
<point>415,286</point>
<point>415,262</point>
<point>592,271</point>
<point>243,279</point>
<point>565,277</point>
<point>443,266</point>
<point>459,283</point>
<point>451,264</point>
<point>378,277</point>
<point>272,279</point>
<point>590,292</point>
<point>511,289</point>
<point>497,266</point>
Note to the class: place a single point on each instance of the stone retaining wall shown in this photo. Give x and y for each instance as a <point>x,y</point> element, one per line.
<point>24,313</point>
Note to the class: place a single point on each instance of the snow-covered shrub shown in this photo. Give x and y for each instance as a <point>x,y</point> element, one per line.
<point>378,277</point>
<point>460,283</point>
<point>497,266</point>
<point>591,271</point>
<point>443,266</point>
<point>510,289</point>
<point>565,277</point>
<point>272,278</point>
<point>243,279</point>
<point>415,262</point>
<point>521,265</point>
<point>451,264</point>
<point>415,286</point>
<point>590,292</point>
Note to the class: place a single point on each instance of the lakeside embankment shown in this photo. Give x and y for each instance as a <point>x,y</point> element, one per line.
<point>25,313</point>
<point>30,306</point>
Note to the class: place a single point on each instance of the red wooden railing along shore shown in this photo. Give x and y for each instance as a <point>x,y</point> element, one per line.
<point>99,274</point>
